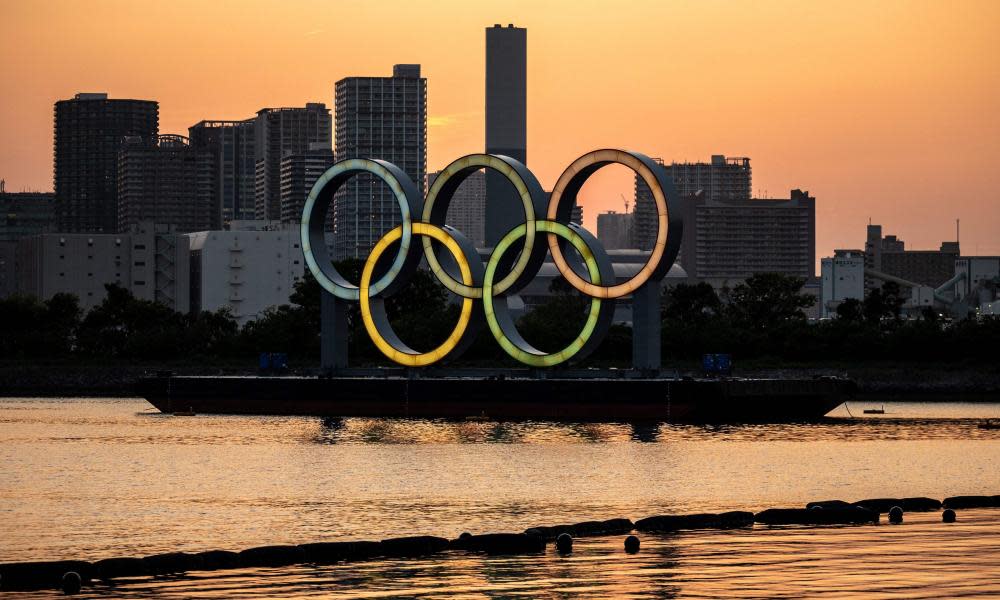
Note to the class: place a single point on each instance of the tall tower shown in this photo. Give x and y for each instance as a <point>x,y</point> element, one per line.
<point>379,118</point>
<point>279,132</point>
<point>89,130</point>
<point>232,144</point>
<point>506,122</point>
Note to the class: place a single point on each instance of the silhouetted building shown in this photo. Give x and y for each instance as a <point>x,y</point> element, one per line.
<point>506,123</point>
<point>614,230</point>
<point>722,179</point>
<point>232,144</point>
<point>843,278</point>
<point>298,174</point>
<point>151,261</point>
<point>278,133</point>
<point>25,213</point>
<point>167,181</point>
<point>467,211</point>
<point>89,130</point>
<point>889,255</point>
<point>380,118</point>
<point>730,240</point>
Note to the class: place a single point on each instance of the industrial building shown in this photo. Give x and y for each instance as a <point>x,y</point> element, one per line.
<point>150,261</point>
<point>299,171</point>
<point>164,179</point>
<point>232,145</point>
<point>506,122</point>
<point>379,118</point>
<point>888,254</point>
<point>279,132</point>
<point>467,211</point>
<point>89,130</point>
<point>723,179</point>
<point>246,272</point>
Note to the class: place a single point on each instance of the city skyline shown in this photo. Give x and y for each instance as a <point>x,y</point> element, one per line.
<point>821,99</point>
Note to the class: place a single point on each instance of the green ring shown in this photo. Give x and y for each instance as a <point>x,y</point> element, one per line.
<point>523,351</point>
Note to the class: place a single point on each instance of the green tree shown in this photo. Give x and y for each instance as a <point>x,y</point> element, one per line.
<point>766,300</point>
<point>851,310</point>
<point>691,303</point>
<point>884,303</point>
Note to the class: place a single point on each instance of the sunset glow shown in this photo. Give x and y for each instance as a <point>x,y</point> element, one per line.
<point>883,110</point>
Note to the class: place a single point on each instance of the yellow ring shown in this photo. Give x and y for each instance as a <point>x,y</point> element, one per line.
<point>626,287</point>
<point>401,357</point>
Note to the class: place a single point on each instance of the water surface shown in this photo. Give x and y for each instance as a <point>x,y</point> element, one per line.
<point>84,478</point>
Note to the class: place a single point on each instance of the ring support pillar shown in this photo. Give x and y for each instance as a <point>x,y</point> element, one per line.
<point>333,331</point>
<point>646,327</point>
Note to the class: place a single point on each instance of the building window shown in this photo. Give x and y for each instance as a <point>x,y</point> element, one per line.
<point>140,246</point>
<point>140,263</point>
<point>140,283</point>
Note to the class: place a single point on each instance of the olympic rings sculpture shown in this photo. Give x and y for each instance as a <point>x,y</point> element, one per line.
<point>515,260</point>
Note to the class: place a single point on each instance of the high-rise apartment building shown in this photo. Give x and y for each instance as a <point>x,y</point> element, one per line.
<point>722,179</point>
<point>232,144</point>
<point>89,130</point>
<point>379,118</point>
<point>279,132</point>
<point>467,211</point>
<point>166,180</point>
<point>25,213</point>
<point>506,122</point>
<point>298,174</point>
<point>730,240</point>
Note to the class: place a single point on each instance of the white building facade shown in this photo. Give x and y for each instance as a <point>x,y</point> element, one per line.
<point>246,272</point>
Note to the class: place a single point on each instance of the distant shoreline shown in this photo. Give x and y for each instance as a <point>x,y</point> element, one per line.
<point>939,383</point>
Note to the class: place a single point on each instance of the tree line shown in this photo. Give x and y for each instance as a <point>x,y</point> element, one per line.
<point>761,318</point>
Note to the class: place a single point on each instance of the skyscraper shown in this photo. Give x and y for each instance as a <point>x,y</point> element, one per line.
<point>232,145</point>
<point>165,180</point>
<point>379,118</point>
<point>722,179</point>
<point>298,174</point>
<point>506,122</point>
<point>279,132</point>
<point>89,130</point>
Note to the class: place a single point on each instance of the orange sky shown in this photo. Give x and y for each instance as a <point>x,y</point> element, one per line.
<point>887,110</point>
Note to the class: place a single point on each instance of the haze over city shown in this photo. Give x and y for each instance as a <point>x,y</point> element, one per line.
<point>899,128</point>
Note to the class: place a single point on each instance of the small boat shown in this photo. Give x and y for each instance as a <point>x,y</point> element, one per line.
<point>990,424</point>
<point>875,411</point>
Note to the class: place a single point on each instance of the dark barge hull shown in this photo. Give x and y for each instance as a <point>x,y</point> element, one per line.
<point>555,399</point>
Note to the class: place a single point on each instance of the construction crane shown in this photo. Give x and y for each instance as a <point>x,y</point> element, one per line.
<point>625,201</point>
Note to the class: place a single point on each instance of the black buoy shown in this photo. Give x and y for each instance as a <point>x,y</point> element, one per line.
<point>71,583</point>
<point>948,516</point>
<point>465,535</point>
<point>564,543</point>
<point>631,544</point>
<point>895,515</point>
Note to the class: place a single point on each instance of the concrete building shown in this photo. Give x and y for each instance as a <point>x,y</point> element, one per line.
<point>279,132</point>
<point>842,277</point>
<point>506,122</point>
<point>232,144</point>
<point>380,118</point>
<point>730,240</point>
<point>467,211</point>
<point>89,130</point>
<point>246,272</point>
<point>888,254</point>
<point>724,179</point>
<point>166,180</point>
<point>614,230</point>
<point>150,261</point>
<point>299,172</point>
